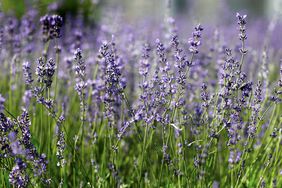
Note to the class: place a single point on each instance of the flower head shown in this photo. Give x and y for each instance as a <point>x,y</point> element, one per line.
<point>51,26</point>
<point>195,40</point>
<point>2,101</point>
<point>242,26</point>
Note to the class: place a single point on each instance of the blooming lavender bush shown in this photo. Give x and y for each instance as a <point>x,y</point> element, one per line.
<point>106,107</point>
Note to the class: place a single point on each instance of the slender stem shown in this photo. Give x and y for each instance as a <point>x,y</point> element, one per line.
<point>143,152</point>
<point>57,71</point>
<point>242,55</point>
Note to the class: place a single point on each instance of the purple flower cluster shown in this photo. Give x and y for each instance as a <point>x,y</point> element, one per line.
<point>80,72</point>
<point>44,70</point>
<point>195,40</point>
<point>2,101</point>
<point>27,73</point>
<point>242,28</point>
<point>51,27</point>
<point>17,176</point>
<point>16,142</point>
<point>142,100</point>
<point>60,142</point>
<point>113,83</point>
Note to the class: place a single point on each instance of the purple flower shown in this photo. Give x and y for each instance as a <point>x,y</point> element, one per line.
<point>1,39</point>
<point>49,71</point>
<point>25,129</point>
<point>27,73</point>
<point>205,95</point>
<point>6,123</point>
<point>81,84</point>
<point>241,19</point>
<point>195,40</point>
<point>2,101</point>
<point>28,26</point>
<point>234,157</point>
<point>242,28</point>
<point>80,65</point>
<point>113,83</point>
<point>246,89</point>
<point>40,70</point>
<point>166,156</point>
<point>40,165</point>
<point>280,80</point>
<point>18,176</point>
<point>17,148</point>
<point>144,63</point>
<point>27,98</point>
<point>51,26</point>
<point>60,142</point>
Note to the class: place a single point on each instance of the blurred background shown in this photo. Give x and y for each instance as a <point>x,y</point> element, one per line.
<point>135,10</point>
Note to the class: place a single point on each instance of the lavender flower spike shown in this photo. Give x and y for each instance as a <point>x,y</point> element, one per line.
<point>50,71</point>
<point>195,40</point>
<point>17,176</point>
<point>242,28</point>
<point>2,101</point>
<point>51,27</point>
<point>27,73</point>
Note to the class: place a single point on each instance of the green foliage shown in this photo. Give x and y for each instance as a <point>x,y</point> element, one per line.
<point>18,8</point>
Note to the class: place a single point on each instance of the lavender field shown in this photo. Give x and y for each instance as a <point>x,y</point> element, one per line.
<point>111,103</point>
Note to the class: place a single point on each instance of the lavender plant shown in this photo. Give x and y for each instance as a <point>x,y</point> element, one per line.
<point>112,106</point>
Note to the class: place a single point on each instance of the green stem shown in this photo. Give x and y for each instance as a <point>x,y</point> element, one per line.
<point>57,72</point>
